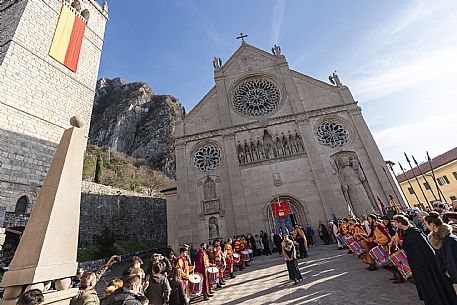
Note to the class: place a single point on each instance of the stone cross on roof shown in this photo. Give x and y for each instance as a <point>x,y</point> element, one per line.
<point>242,36</point>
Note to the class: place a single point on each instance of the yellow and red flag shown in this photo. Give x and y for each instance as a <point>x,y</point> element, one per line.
<point>68,37</point>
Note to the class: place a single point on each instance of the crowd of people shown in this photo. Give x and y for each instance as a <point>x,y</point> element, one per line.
<point>417,245</point>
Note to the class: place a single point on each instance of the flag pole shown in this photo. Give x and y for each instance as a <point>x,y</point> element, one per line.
<point>403,170</point>
<point>390,165</point>
<point>423,176</point>
<point>434,178</point>
<point>417,180</point>
<point>393,190</point>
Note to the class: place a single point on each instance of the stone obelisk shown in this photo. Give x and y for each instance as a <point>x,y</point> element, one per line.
<point>47,250</point>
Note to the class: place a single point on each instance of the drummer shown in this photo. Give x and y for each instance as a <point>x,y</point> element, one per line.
<point>395,246</point>
<point>359,234</point>
<point>220,263</point>
<point>201,266</point>
<point>244,247</point>
<point>379,235</point>
<point>238,248</point>
<point>228,250</point>
<point>184,269</point>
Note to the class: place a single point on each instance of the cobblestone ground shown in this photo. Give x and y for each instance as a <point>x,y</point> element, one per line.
<point>330,277</point>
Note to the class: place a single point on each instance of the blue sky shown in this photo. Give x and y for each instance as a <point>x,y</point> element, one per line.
<point>399,58</point>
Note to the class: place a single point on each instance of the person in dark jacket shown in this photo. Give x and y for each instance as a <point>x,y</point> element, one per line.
<point>128,294</point>
<point>444,243</point>
<point>158,291</point>
<point>432,286</point>
<point>177,295</point>
<point>277,240</point>
<point>386,222</point>
<point>266,243</point>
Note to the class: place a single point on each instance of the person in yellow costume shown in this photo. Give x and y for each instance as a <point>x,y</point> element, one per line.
<point>379,236</point>
<point>300,238</point>
<point>184,270</point>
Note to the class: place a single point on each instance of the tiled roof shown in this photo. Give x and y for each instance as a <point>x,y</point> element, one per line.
<point>438,161</point>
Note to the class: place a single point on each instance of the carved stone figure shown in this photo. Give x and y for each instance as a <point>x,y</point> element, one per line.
<point>213,228</point>
<point>299,141</point>
<point>209,189</point>
<point>217,62</point>
<point>259,147</point>
<point>241,154</point>
<point>276,50</point>
<point>254,152</point>
<point>352,179</point>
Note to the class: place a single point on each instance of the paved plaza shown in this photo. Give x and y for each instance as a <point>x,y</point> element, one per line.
<point>330,277</point>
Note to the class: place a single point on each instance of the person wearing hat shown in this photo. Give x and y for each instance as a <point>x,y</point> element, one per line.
<point>300,238</point>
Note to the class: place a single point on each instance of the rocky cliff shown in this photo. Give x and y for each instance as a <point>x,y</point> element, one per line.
<point>131,119</point>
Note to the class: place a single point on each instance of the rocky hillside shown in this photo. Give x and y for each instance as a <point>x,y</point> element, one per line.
<point>131,119</point>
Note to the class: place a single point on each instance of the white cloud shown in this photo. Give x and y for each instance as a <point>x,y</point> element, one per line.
<point>278,15</point>
<point>409,60</point>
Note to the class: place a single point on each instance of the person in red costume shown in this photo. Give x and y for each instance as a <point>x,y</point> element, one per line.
<point>201,266</point>
<point>281,213</point>
<point>379,236</point>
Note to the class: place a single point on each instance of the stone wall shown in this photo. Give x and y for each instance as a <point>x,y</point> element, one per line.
<point>129,215</point>
<point>38,95</point>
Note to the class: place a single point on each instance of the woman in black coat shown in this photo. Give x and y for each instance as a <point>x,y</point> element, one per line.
<point>444,243</point>
<point>432,286</point>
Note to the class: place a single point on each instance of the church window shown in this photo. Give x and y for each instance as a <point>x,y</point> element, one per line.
<point>207,158</point>
<point>455,175</point>
<point>256,97</point>
<point>453,198</point>
<point>332,134</point>
<point>426,185</point>
<point>411,190</point>
<point>21,205</point>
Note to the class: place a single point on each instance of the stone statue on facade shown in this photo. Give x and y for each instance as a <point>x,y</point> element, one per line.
<point>217,63</point>
<point>352,179</point>
<point>241,154</point>
<point>213,228</point>
<point>276,50</point>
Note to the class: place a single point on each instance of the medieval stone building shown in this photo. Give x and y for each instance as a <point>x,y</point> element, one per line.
<point>266,133</point>
<point>49,57</point>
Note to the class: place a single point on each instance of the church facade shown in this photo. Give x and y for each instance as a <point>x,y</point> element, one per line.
<point>266,137</point>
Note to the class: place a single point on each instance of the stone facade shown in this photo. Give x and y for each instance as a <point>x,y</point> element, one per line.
<point>38,95</point>
<point>129,215</point>
<point>265,132</point>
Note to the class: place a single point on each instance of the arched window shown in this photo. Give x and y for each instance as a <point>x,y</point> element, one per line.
<point>209,189</point>
<point>21,205</point>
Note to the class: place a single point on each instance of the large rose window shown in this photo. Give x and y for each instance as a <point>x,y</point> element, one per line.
<point>332,134</point>
<point>207,158</point>
<point>256,97</point>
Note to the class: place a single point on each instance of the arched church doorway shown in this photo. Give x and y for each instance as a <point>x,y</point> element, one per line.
<point>283,213</point>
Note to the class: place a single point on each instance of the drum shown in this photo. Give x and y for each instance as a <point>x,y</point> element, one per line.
<point>340,238</point>
<point>357,248</point>
<point>212,275</point>
<point>251,253</point>
<point>245,255</point>
<point>195,283</point>
<point>349,239</point>
<point>380,256</point>
<point>401,262</point>
<point>236,258</point>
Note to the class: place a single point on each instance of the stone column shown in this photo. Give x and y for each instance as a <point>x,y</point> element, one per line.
<point>240,210</point>
<point>48,248</point>
<point>184,230</point>
<point>172,216</point>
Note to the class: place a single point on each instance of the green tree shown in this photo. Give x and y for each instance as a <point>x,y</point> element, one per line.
<point>99,170</point>
<point>89,167</point>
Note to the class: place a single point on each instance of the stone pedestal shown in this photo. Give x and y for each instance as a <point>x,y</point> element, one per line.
<point>48,248</point>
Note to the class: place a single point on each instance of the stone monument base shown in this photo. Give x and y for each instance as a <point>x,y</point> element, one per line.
<point>53,297</point>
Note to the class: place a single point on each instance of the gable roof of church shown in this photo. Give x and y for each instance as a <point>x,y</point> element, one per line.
<point>263,53</point>
<point>240,50</point>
